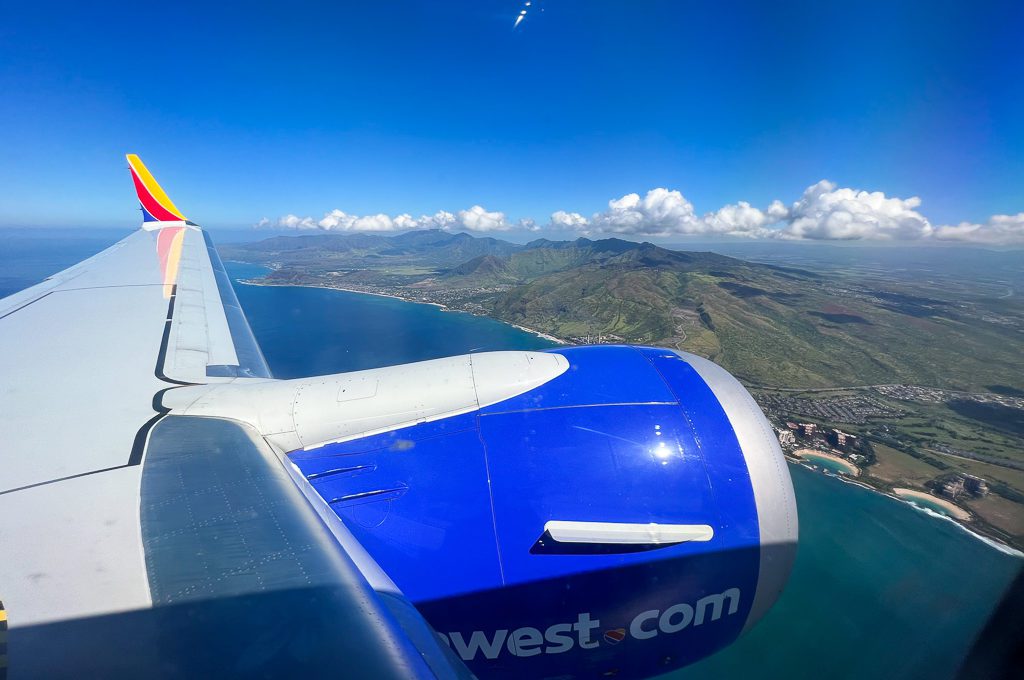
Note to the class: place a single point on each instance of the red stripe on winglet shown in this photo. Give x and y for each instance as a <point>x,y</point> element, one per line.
<point>150,203</point>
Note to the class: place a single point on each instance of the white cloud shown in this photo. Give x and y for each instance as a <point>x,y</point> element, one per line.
<point>662,212</point>
<point>405,222</point>
<point>476,218</point>
<point>824,212</point>
<point>479,219</point>
<point>337,219</point>
<point>287,222</point>
<point>659,213</point>
<point>379,222</point>
<point>744,219</point>
<point>442,219</point>
<point>568,220</point>
<point>998,230</point>
<point>828,212</point>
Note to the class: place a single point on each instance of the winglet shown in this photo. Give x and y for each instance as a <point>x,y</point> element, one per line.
<point>156,206</point>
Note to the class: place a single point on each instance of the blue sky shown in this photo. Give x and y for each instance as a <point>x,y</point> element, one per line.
<point>251,110</point>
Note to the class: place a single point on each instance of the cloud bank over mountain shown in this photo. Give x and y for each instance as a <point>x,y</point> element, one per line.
<point>824,212</point>
<point>476,218</point>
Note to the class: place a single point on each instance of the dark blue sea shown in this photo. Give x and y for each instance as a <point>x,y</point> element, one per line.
<point>880,589</point>
<point>312,331</point>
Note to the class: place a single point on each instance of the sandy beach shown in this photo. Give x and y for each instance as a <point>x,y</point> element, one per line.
<point>811,454</point>
<point>535,332</point>
<point>928,499</point>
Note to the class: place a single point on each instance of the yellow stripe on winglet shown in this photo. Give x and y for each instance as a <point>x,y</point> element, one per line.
<point>3,615</point>
<point>154,189</point>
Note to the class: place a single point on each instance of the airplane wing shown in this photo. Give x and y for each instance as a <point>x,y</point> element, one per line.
<point>168,508</point>
<point>137,542</point>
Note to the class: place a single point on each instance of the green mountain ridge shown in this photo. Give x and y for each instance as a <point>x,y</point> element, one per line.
<point>771,325</point>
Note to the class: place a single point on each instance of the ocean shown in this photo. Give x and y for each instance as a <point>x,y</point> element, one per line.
<point>312,331</point>
<point>880,588</point>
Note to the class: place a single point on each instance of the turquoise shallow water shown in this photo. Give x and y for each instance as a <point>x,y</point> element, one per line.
<point>879,588</point>
<point>827,464</point>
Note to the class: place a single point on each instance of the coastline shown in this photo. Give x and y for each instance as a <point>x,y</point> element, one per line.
<point>442,307</point>
<point>255,282</point>
<point>954,510</point>
<point>809,454</point>
<point>550,338</point>
<point>992,541</point>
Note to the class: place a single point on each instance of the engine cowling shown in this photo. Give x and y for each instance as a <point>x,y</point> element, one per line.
<point>630,515</point>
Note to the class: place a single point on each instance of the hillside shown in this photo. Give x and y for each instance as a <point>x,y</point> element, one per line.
<point>771,325</point>
<point>421,250</point>
<point>480,271</point>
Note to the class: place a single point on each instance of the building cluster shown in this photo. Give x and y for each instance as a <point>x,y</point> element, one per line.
<point>598,339</point>
<point>934,395</point>
<point>856,409</point>
<point>463,299</point>
<point>792,430</point>
<point>833,440</point>
<point>840,439</point>
<point>960,485</point>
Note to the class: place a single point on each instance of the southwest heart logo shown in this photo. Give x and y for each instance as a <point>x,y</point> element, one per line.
<point>615,636</point>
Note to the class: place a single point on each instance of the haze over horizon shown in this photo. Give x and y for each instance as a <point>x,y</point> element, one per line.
<point>661,121</point>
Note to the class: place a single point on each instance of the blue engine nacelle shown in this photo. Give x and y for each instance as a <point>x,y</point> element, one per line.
<point>505,525</point>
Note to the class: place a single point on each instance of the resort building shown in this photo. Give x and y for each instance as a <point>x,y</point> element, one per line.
<point>840,439</point>
<point>976,486</point>
<point>962,484</point>
<point>952,488</point>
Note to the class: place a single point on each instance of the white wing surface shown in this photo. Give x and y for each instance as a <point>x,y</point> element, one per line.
<point>113,514</point>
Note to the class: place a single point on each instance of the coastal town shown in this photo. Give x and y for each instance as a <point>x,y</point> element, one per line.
<point>844,453</point>
<point>934,395</point>
<point>815,444</point>
<point>855,409</point>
